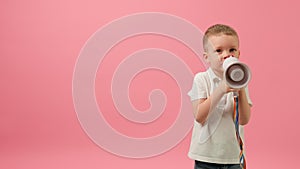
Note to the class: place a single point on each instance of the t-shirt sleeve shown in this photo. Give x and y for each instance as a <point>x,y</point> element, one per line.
<point>199,87</point>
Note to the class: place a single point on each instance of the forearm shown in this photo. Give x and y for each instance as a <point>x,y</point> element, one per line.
<point>244,108</point>
<point>203,107</point>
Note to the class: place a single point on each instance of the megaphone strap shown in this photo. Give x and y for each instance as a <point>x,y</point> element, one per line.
<point>237,132</point>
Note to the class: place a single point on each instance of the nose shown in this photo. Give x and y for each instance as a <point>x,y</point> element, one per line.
<point>227,55</point>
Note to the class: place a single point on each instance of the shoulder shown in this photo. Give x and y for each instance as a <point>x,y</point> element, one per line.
<point>202,76</point>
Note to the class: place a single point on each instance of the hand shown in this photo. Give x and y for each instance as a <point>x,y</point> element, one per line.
<point>227,89</point>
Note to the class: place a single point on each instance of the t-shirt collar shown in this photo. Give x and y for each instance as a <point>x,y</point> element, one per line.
<point>214,78</point>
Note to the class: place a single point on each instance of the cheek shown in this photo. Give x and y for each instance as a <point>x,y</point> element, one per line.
<point>237,54</point>
<point>215,61</point>
<point>207,61</point>
<point>218,58</point>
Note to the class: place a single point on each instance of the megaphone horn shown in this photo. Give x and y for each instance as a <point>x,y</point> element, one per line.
<point>237,75</point>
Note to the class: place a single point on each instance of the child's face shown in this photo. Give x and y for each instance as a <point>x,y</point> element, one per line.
<point>219,48</point>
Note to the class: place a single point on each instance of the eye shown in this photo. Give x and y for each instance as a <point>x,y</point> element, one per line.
<point>218,50</point>
<point>232,50</point>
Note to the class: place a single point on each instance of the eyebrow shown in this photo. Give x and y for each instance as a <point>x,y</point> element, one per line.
<point>218,47</point>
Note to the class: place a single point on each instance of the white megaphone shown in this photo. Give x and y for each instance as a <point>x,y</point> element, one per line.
<point>237,75</point>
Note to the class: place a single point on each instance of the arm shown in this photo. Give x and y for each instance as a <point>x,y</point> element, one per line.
<point>202,107</point>
<point>244,108</point>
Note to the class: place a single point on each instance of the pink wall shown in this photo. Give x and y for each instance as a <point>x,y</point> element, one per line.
<point>41,42</point>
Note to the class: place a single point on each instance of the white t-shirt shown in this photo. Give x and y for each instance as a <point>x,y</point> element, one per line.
<point>215,141</point>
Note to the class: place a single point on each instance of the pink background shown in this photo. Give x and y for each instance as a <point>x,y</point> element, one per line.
<point>41,40</point>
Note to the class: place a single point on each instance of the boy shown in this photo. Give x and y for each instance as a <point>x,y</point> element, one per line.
<point>214,142</point>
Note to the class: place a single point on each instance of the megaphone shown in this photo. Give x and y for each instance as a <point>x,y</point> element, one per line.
<point>237,75</point>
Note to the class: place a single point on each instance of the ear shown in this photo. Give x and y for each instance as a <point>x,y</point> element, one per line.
<point>206,57</point>
<point>239,53</point>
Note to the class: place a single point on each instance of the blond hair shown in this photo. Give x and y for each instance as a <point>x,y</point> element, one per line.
<point>218,29</point>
